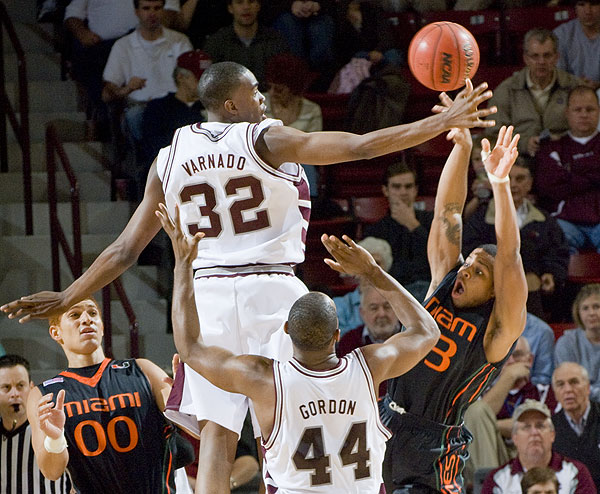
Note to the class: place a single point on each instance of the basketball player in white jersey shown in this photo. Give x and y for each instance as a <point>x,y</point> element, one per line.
<point>318,413</point>
<point>251,202</point>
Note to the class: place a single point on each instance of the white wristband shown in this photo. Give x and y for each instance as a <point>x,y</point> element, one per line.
<point>55,446</point>
<point>496,180</point>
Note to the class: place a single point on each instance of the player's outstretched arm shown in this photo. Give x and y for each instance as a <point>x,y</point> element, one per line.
<point>445,237</point>
<point>510,285</point>
<point>280,144</point>
<point>245,374</point>
<point>47,420</point>
<point>111,263</point>
<point>402,351</point>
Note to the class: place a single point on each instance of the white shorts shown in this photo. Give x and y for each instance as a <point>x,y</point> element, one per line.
<point>244,314</point>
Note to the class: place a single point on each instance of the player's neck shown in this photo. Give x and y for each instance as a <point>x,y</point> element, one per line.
<point>77,360</point>
<point>317,360</point>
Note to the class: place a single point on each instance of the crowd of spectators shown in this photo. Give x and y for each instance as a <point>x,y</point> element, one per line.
<point>138,63</point>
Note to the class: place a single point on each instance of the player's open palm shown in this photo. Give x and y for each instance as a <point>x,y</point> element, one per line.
<point>500,160</point>
<point>52,416</point>
<point>185,247</point>
<point>350,258</point>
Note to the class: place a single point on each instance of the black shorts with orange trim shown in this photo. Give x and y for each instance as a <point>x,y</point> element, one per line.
<point>422,455</point>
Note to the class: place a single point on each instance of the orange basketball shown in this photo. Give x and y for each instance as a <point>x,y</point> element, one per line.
<point>442,55</point>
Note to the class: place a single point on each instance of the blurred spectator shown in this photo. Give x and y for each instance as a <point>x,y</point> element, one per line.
<point>363,32</point>
<point>140,65</point>
<point>533,435</point>
<point>348,306</point>
<point>490,420</point>
<point>309,27</point>
<point>287,78</point>
<point>534,98</point>
<point>380,322</point>
<point>406,230</point>
<point>539,480</point>
<point>582,345</point>
<point>567,175</point>
<point>163,116</point>
<point>579,43</point>
<point>95,26</point>
<point>416,5</point>
<point>245,41</point>
<point>19,471</point>
<point>207,18</point>
<point>544,249</point>
<point>541,341</point>
<point>578,423</point>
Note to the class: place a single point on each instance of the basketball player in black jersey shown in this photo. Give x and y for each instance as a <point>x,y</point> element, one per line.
<point>479,305</point>
<point>107,411</point>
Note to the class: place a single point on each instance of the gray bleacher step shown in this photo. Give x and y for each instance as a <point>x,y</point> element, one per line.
<point>21,11</point>
<point>71,122</point>
<point>39,67</point>
<point>96,217</point>
<point>93,186</point>
<point>33,37</point>
<point>47,96</point>
<point>32,276</point>
<point>87,156</point>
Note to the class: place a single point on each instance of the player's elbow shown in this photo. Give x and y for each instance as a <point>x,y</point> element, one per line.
<point>51,470</point>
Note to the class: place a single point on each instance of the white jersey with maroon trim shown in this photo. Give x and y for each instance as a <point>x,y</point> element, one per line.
<point>327,436</point>
<point>249,212</point>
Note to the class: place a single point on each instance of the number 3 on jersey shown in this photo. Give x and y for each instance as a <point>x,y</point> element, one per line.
<point>236,210</point>
<point>310,453</point>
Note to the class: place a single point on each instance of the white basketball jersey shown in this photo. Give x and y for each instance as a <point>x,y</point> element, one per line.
<point>327,436</point>
<point>249,212</point>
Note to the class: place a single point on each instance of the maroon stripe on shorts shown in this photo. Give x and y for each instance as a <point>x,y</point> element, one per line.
<point>176,395</point>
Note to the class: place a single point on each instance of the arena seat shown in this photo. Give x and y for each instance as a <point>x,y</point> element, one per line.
<point>584,267</point>
<point>560,327</point>
<point>484,25</point>
<point>333,108</point>
<point>316,275</point>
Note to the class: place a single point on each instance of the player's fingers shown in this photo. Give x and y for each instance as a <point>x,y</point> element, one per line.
<point>60,399</point>
<point>483,97</point>
<point>333,265</point>
<point>500,138</point>
<point>475,92</point>
<point>508,136</point>
<point>348,240</point>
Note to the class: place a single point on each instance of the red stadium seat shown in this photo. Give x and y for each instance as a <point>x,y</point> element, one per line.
<point>517,21</point>
<point>369,209</point>
<point>560,327</point>
<point>584,267</point>
<point>428,160</point>
<point>484,25</point>
<point>316,275</point>
<point>333,108</point>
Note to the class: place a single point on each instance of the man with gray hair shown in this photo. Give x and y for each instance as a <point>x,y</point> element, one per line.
<point>534,98</point>
<point>578,423</point>
<point>533,434</point>
<point>348,306</point>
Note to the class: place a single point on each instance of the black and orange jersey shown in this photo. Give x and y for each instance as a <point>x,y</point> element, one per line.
<point>456,370</point>
<point>119,441</point>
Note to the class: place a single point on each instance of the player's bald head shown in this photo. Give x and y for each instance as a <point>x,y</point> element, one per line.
<point>312,321</point>
<point>218,82</point>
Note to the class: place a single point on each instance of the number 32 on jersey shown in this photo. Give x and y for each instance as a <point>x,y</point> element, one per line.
<point>237,209</point>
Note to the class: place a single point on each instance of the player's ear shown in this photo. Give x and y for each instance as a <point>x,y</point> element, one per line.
<point>230,106</point>
<point>55,333</point>
<point>285,327</point>
<point>336,335</point>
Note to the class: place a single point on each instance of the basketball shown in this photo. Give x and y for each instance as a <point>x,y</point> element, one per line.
<point>442,55</point>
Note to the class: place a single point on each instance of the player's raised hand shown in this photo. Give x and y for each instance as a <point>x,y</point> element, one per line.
<point>459,135</point>
<point>184,246</point>
<point>42,305</point>
<point>464,111</point>
<point>350,258</point>
<point>501,159</point>
<point>52,417</point>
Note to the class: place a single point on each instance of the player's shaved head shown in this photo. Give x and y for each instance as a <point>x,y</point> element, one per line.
<point>218,82</point>
<point>312,321</point>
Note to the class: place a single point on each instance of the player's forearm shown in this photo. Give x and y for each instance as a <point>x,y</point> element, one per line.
<point>507,229</point>
<point>112,92</point>
<point>52,465</point>
<point>184,316</point>
<point>453,187</point>
<point>110,264</point>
